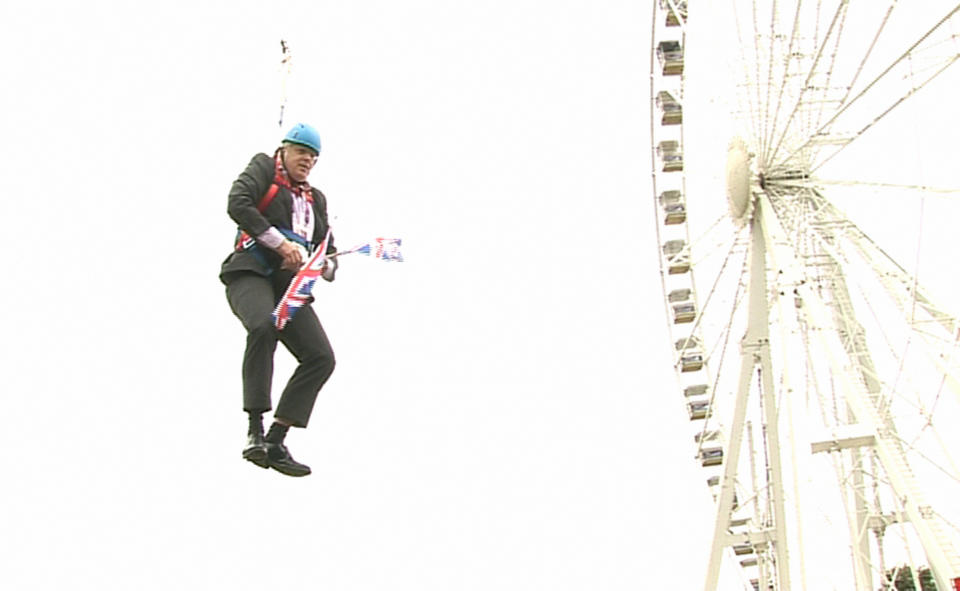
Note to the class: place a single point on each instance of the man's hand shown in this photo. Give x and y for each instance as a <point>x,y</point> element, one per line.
<point>292,254</point>
<point>329,271</point>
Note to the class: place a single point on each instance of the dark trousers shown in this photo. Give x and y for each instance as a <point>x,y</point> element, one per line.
<point>252,299</point>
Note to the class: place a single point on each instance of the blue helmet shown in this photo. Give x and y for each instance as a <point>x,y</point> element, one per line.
<point>305,135</point>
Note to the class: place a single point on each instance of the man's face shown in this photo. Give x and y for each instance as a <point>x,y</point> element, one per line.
<point>299,160</point>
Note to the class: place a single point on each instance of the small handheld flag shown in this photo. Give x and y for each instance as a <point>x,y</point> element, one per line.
<point>299,291</point>
<point>385,249</point>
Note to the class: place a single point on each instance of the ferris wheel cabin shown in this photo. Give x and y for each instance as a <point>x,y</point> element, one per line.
<point>670,56</point>
<point>671,112</point>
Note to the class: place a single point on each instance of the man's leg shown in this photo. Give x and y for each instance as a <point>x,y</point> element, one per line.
<point>251,299</point>
<point>305,338</point>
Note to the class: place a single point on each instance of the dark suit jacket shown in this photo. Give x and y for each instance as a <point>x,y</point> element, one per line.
<point>245,195</point>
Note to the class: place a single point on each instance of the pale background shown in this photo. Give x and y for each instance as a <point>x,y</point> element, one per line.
<point>503,414</point>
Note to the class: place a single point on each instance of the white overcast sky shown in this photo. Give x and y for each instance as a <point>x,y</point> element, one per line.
<point>503,414</point>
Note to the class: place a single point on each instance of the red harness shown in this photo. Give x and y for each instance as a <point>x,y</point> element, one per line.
<point>244,240</point>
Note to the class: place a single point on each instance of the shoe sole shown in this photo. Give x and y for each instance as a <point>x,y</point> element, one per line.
<point>257,456</point>
<point>287,471</point>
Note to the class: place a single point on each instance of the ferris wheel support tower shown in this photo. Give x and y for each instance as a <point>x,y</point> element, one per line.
<point>860,393</point>
<point>754,356</point>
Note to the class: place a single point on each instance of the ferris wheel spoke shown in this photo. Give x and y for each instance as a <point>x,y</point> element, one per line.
<point>794,30</point>
<point>706,309</point>
<point>824,90</point>
<point>710,242</point>
<point>722,338</point>
<point>757,62</point>
<point>866,56</point>
<point>812,95</point>
<point>827,224</point>
<point>749,101</point>
<point>944,192</point>
<point>898,78</point>
<point>950,471</point>
<point>843,141</point>
<point>803,99</point>
<point>935,328</point>
<point>766,130</point>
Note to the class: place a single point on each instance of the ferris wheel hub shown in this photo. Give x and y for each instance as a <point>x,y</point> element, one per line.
<point>738,179</point>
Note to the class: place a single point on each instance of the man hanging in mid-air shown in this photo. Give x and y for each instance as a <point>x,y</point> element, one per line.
<point>281,218</point>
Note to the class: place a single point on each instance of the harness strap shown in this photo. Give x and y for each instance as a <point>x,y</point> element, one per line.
<point>247,242</point>
<point>244,241</point>
<point>268,197</point>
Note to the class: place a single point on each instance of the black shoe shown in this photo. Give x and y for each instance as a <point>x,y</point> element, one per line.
<point>278,457</point>
<point>256,450</point>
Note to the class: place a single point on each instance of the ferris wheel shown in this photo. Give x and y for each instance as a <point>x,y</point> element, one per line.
<point>819,372</point>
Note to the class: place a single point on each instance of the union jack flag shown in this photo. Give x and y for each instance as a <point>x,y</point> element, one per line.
<point>385,249</point>
<point>388,249</point>
<point>298,292</point>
